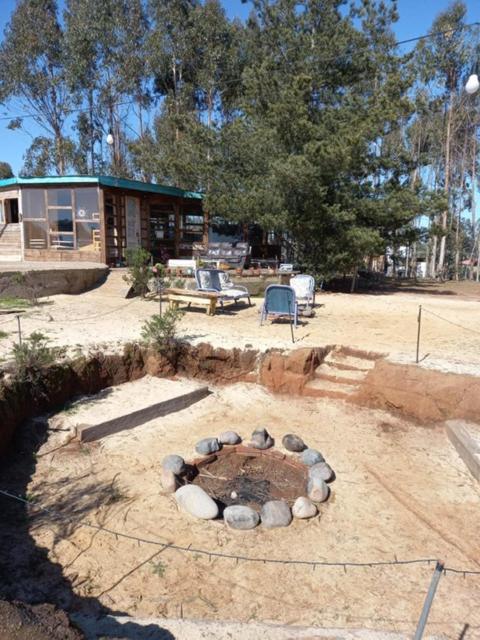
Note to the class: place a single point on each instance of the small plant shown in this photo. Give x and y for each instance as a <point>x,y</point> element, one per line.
<point>3,334</point>
<point>160,332</point>
<point>159,568</point>
<point>139,271</point>
<point>29,291</point>
<point>33,355</point>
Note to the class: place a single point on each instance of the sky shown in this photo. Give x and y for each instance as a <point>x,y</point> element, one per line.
<point>416,17</point>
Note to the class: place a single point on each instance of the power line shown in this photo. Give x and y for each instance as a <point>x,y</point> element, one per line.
<point>230,556</point>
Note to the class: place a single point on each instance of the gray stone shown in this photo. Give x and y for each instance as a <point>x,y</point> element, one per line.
<point>229,437</point>
<point>276,513</point>
<point>240,517</point>
<point>261,439</point>
<point>207,445</point>
<point>174,463</point>
<point>291,442</point>
<point>195,501</point>
<point>304,508</point>
<point>168,480</point>
<point>317,489</point>
<point>321,470</point>
<point>311,457</point>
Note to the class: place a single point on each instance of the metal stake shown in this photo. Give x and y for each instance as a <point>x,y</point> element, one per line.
<point>419,320</point>
<point>19,331</point>
<point>437,574</point>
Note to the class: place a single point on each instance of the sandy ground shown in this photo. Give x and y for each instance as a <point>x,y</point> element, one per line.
<point>385,323</point>
<point>401,492</point>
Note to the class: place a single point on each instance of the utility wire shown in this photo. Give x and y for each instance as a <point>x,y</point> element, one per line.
<point>230,556</point>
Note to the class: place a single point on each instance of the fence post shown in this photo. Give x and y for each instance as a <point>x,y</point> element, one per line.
<point>419,321</point>
<point>19,330</point>
<point>437,574</point>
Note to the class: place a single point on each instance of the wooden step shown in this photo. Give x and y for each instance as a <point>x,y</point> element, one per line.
<point>322,388</point>
<point>329,371</point>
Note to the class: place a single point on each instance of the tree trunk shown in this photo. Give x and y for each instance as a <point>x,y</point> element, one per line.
<point>474,203</point>
<point>443,239</point>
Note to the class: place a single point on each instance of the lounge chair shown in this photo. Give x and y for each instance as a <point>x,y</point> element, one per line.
<point>218,281</point>
<point>304,286</point>
<point>280,301</point>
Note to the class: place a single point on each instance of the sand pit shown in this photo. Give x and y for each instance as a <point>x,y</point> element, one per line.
<point>401,491</point>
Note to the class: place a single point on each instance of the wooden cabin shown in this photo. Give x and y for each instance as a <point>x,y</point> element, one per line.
<point>96,219</point>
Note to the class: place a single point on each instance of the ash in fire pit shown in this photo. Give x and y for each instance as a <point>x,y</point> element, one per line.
<point>251,478</point>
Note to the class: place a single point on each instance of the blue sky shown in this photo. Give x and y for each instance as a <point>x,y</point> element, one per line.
<point>416,17</point>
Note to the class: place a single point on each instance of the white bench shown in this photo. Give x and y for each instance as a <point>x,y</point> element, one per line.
<point>182,264</point>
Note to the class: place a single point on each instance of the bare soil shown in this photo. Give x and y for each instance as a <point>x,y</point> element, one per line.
<point>401,492</point>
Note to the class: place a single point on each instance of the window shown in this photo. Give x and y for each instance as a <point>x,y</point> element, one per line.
<point>86,204</point>
<point>33,203</point>
<point>35,234</point>
<point>192,227</point>
<point>60,220</point>
<point>87,234</point>
<point>59,197</point>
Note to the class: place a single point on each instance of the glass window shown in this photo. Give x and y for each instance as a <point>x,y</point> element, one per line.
<point>35,235</point>
<point>59,197</point>
<point>33,203</point>
<point>192,227</point>
<point>61,241</point>
<point>60,220</point>
<point>87,235</point>
<point>86,204</point>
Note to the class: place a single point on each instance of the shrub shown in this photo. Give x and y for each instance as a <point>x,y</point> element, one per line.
<point>33,355</point>
<point>139,270</point>
<point>160,332</point>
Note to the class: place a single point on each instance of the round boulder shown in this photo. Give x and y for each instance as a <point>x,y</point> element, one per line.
<point>195,501</point>
<point>168,481</point>
<point>207,445</point>
<point>291,442</point>
<point>317,490</point>
<point>304,508</point>
<point>276,513</point>
<point>240,517</point>
<point>321,470</point>
<point>261,439</point>
<point>174,463</point>
<point>311,457</point>
<point>229,437</point>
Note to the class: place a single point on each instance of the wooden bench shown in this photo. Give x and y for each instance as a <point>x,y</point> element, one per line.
<point>188,297</point>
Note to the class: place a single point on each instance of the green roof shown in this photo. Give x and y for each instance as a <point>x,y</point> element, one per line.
<point>105,181</point>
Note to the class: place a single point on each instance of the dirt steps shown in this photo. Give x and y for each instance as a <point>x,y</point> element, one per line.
<point>339,376</point>
<point>10,243</point>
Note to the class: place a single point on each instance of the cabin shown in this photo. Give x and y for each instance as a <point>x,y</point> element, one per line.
<point>97,219</point>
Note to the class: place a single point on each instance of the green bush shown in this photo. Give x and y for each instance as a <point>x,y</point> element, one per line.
<point>139,270</point>
<point>33,355</point>
<point>160,332</point>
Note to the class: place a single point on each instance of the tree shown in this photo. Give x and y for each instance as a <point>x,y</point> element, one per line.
<point>32,71</point>
<point>5,170</point>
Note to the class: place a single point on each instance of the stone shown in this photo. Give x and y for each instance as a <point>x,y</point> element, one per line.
<point>321,470</point>
<point>195,501</point>
<point>229,437</point>
<point>261,439</point>
<point>275,513</point>
<point>311,457</point>
<point>174,463</point>
<point>241,517</point>
<point>207,445</point>
<point>317,489</point>
<point>304,508</point>
<point>168,481</point>
<point>291,442</point>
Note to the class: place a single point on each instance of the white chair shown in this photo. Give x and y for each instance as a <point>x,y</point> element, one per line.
<point>304,287</point>
<point>216,280</point>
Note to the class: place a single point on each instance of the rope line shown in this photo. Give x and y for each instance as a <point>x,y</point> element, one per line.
<point>230,556</point>
<point>97,315</point>
<point>455,324</point>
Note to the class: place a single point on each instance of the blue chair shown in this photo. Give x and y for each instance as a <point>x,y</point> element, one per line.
<point>280,301</point>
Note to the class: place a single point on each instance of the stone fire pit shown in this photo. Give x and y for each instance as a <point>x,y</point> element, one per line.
<point>246,485</point>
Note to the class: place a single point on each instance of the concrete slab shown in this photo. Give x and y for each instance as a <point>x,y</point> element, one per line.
<point>465,437</point>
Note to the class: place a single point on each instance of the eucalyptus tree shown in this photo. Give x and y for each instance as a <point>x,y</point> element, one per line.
<point>32,73</point>
<point>5,170</point>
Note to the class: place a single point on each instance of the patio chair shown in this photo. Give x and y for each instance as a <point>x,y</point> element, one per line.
<point>218,281</point>
<point>280,301</point>
<point>304,287</point>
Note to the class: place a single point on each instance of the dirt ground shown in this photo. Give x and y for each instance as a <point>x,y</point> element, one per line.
<point>401,492</point>
<point>383,321</point>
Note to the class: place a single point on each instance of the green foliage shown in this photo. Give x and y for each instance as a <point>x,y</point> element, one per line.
<point>3,334</point>
<point>139,270</point>
<point>5,171</point>
<point>33,355</point>
<point>159,568</point>
<point>160,332</point>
